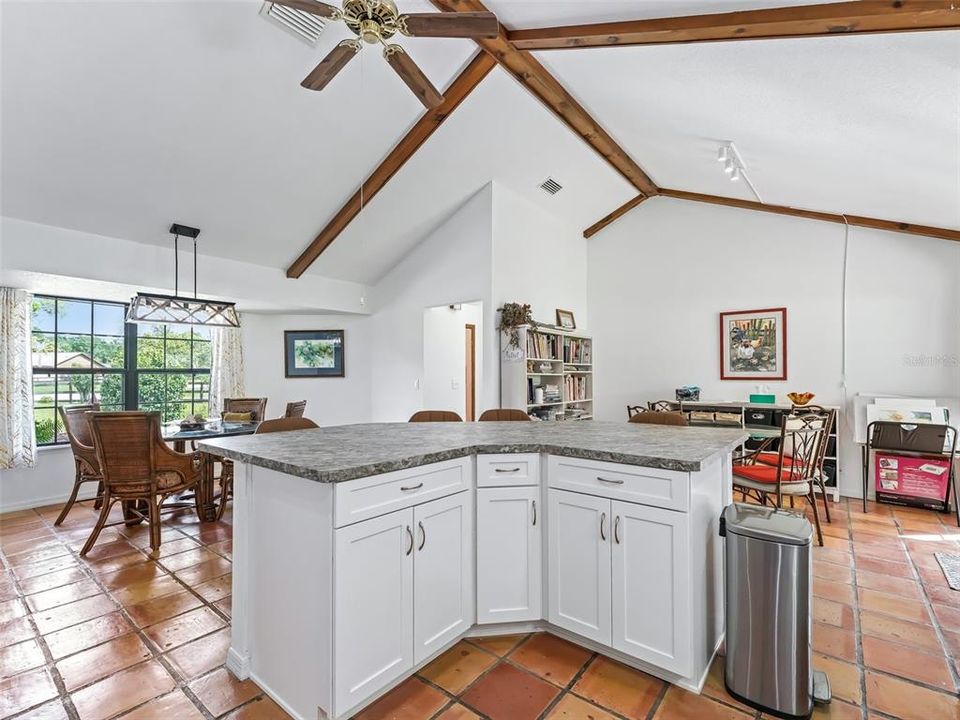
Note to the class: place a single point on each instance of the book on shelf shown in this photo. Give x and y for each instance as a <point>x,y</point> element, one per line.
<point>541,345</point>
<point>575,387</point>
<point>576,351</point>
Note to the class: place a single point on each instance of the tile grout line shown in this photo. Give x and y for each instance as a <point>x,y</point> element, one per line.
<point>857,628</point>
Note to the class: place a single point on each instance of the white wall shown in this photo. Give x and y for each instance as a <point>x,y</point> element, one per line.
<point>537,258</point>
<point>444,356</point>
<point>330,401</point>
<point>43,258</point>
<point>451,265</point>
<point>49,482</point>
<point>659,276</point>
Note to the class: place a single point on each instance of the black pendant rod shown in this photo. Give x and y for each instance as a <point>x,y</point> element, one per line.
<point>176,264</point>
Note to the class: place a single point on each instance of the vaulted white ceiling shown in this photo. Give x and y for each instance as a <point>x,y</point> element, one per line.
<point>120,117</point>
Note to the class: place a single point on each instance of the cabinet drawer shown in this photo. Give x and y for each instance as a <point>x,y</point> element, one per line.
<point>508,469</point>
<point>369,497</point>
<point>647,486</point>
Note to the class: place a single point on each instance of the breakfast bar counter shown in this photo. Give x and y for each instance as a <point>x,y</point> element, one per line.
<point>362,552</point>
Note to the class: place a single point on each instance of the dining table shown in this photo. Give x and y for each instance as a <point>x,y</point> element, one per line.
<point>206,495</point>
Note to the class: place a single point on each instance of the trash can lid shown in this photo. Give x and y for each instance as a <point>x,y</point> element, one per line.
<point>767,523</point>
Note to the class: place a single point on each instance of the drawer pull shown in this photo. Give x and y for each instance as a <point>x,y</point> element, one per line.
<point>410,534</point>
<point>603,519</point>
<point>412,487</point>
<point>534,511</point>
<point>611,482</point>
<point>507,470</point>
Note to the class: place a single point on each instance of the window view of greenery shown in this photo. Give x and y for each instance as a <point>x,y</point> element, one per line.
<point>173,370</point>
<point>79,357</point>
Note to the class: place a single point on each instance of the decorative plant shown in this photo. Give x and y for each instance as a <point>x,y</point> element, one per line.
<point>512,317</point>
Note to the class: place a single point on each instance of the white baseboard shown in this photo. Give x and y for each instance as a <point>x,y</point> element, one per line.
<point>239,665</point>
<point>42,502</point>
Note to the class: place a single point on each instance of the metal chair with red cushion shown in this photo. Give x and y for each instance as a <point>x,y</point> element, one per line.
<point>795,470</point>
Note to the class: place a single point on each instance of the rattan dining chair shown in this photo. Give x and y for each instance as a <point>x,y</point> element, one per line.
<point>257,409</point>
<point>504,415</point>
<point>635,410</point>
<point>86,465</point>
<point>659,417</point>
<point>435,416</point>
<point>138,469</point>
<point>662,406</point>
<point>284,424</point>
<point>295,409</point>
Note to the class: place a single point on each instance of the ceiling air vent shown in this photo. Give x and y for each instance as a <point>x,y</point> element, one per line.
<point>301,24</point>
<point>551,186</point>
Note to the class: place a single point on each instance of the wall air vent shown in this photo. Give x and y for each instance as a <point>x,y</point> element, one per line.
<point>551,186</point>
<point>301,24</point>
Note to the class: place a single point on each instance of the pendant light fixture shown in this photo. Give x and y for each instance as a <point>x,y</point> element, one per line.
<point>176,310</point>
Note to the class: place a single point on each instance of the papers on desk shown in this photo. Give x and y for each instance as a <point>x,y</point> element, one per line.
<point>910,411</point>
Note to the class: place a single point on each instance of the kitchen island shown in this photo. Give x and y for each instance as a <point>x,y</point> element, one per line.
<point>362,552</point>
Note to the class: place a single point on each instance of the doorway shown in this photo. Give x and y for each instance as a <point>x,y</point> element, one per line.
<point>453,359</point>
<point>470,371</point>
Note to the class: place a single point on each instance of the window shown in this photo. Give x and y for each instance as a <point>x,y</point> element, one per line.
<point>84,351</point>
<point>173,370</point>
<point>79,356</point>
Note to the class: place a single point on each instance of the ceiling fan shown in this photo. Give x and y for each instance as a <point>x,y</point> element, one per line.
<point>376,21</point>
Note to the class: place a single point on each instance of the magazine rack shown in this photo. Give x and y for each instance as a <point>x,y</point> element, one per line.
<point>912,442</point>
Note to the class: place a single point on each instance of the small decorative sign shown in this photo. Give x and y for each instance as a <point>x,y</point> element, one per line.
<point>313,353</point>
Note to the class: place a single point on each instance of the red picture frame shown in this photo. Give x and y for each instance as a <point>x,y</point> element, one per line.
<point>755,357</point>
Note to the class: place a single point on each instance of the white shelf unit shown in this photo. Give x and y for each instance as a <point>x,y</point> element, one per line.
<point>559,362</point>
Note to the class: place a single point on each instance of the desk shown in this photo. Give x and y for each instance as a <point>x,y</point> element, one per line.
<point>206,500</point>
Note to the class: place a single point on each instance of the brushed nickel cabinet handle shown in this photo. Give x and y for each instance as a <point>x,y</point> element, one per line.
<point>423,536</point>
<point>611,482</point>
<point>410,534</point>
<point>507,470</point>
<point>412,487</point>
<point>616,530</point>
<point>603,519</point>
<point>534,511</point>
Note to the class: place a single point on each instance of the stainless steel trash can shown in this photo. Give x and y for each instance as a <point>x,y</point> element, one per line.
<point>769,577</point>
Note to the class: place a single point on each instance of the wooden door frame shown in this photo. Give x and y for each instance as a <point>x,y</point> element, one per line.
<point>470,372</point>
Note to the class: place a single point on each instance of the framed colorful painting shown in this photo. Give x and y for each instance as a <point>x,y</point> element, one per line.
<point>753,344</point>
<point>313,353</point>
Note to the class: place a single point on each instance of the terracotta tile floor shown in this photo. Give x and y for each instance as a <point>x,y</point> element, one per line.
<point>126,635</point>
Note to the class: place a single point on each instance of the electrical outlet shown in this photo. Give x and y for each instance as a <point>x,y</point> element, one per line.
<point>455,384</point>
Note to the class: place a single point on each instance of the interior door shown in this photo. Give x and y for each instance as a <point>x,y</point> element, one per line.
<point>509,560</point>
<point>470,371</point>
<point>444,605</point>
<point>651,585</point>
<point>579,564</point>
<point>373,606</point>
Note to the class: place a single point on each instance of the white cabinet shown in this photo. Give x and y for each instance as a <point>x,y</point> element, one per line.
<point>579,564</point>
<point>620,575</point>
<point>403,588</point>
<point>509,560</point>
<point>651,585</point>
<point>373,605</point>
<point>442,573</point>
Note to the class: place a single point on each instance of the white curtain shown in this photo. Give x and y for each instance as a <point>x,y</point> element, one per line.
<point>18,442</point>
<point>226,367</point>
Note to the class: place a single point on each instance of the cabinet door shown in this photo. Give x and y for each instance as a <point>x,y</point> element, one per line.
<point>509,563</point>
<point>373,606</point>
<point>651,585</point>
<point>443,572</point>
<point>579,551</point>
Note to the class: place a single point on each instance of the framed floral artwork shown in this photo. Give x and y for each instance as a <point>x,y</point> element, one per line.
<point>313,353</point>
<point>753,344</point>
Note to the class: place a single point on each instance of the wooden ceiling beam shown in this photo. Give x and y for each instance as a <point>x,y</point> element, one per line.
<point>459,89</point>
<point>855,220</point>
<point>844,18</point>
<point>538,80</point>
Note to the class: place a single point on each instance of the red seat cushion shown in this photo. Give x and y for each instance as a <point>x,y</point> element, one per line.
<point>772,458</point>
<point>763,474</point>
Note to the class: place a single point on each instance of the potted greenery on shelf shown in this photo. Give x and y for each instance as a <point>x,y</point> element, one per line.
<point>513,316</point>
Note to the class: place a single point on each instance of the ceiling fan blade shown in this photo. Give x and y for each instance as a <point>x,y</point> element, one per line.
<point>454,25</point>
<point>335,61</point>
<point>413,76</point>
<point>314,7</point>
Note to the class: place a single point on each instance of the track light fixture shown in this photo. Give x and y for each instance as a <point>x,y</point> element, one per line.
<point>734,167</point>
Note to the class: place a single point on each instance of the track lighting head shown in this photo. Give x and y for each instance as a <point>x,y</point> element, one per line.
<point>729,166</point>
<point>735,175</point>
<point>723,154</point>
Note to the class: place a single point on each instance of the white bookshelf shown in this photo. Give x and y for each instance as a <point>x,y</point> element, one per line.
<point>560,363</point>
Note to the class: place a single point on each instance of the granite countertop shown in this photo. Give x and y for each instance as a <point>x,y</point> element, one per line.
<point>348,452</point>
